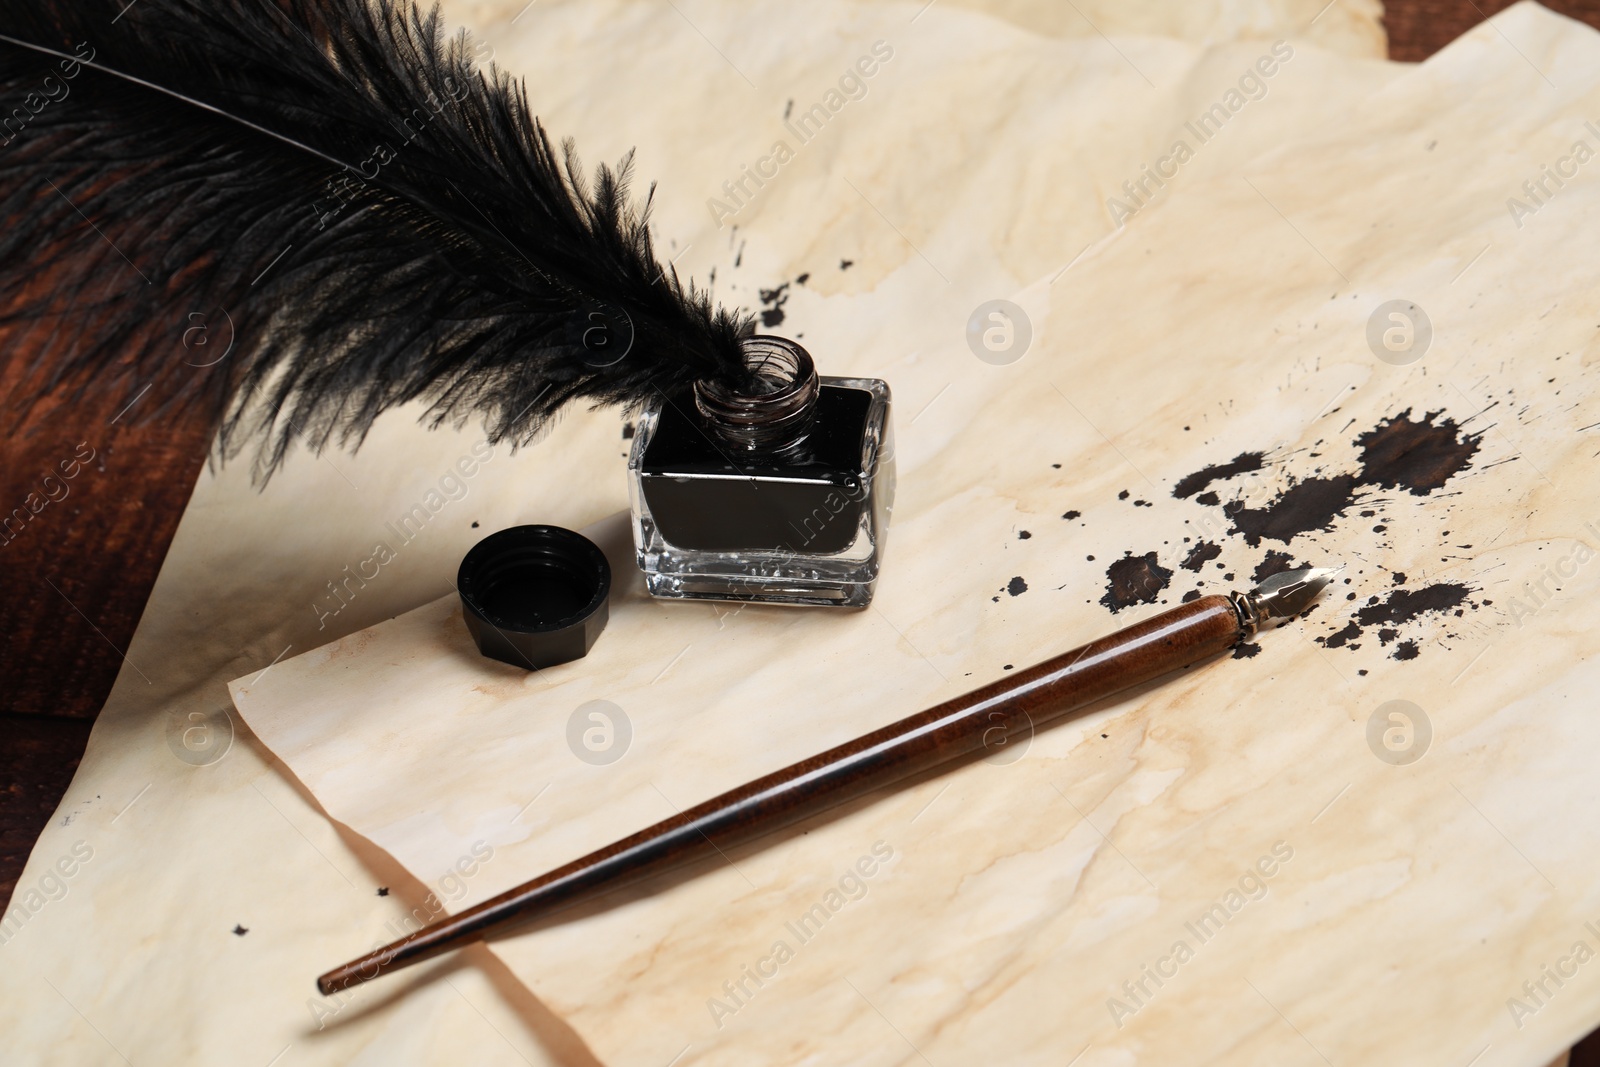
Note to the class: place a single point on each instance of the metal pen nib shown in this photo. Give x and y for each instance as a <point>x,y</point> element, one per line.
<point>1282,596</point>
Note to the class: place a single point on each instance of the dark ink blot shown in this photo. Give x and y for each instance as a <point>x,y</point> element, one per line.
<point>1143,504</point>
<point>802,279</point>
<point>1193,594</point>
<point>1399,577</point>
<point>1246,650</point>
<point>1275,563</point>
<point>1309,505</point>
<point>1200,555</point>
<point>1243,463</point>
<point>1055,466</point>
<point>1069,516</point>
<point>1387,634</point>
<point>1134,580</point>
<point>1343,637</point>
<point>1362,672</point>
<point>1227,577</point>
<point>1404,605</point>
<point>1008,666</point>
<point>1405,650</point>
<point>627,431</point>
<point>1016,587</point>
<point>240,931</point>
<point>1209,499</point>
<point>474,526</point>
<point>846,264</point>
<point>774,299</point>
<point>1123,495</point>
<point>383,890</point>
<point>1023,535</point>
<point>1416,456</point>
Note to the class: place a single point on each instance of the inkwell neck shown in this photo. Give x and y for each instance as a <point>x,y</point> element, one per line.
<point>775,409</point>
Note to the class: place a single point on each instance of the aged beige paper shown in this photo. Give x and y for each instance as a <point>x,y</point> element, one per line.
<point>1351,28</point>
<point>1262,860</point>
<point>176,837</point>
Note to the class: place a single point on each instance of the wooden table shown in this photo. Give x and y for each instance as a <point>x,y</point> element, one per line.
<point>76,575</point>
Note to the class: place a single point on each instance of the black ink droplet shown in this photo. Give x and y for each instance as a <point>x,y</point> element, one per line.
<point>1134,580</point>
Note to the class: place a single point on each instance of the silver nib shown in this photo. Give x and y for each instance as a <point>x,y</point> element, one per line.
<point>1288,593</point>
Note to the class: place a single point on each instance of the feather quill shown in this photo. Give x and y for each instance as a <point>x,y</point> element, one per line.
<point>375,219</point>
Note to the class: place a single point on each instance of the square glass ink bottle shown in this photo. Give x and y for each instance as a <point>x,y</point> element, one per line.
<point>779,494</point>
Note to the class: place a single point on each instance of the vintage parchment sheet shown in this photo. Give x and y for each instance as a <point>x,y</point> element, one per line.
<point>191,838</point>
<point>1361,842</point>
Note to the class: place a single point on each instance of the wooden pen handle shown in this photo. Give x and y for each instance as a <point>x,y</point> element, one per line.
<point>984,718</point>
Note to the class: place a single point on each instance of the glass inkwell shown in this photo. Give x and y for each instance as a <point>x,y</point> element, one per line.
<point>780,493</point>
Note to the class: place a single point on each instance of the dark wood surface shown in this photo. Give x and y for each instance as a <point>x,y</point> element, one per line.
<point>76,577</point>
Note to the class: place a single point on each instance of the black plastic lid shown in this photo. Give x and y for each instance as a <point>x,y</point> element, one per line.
<point>535,596</point>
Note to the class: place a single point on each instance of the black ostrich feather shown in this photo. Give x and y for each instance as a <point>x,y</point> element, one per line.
<point>377,220</point>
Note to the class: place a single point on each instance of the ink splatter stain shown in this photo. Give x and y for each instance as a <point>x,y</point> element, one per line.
<point>774,299</point>
<point>1402,452</point>
<point>1416,456</point>
<point>1247,650</point>
<point>240,931</point>
<point>1404,605</point>
<point>383,890</point>
<point>1069,516</point>
<point>1309,505</point>
<point>846,264</point>
<point>1342,638</point>
<point>1200,555</point>
<point>1193,594</point>
<point>1243,463</point>
<point>1023,535</point>
<point>1395,609</point>
<point>1134,580</point>
<point>1275,563</point>
<point>1016,587</point>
